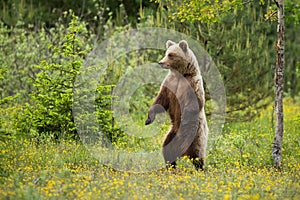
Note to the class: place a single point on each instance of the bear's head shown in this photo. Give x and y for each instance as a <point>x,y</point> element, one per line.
<point>179,58</point>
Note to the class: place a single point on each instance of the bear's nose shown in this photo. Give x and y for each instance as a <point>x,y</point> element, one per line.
<point>160,63</point>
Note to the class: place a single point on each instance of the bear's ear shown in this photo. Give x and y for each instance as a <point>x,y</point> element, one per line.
<point>169,43</point>
<point>183,45</point>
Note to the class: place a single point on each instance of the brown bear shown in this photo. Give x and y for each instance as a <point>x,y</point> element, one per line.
<point>182,96</point>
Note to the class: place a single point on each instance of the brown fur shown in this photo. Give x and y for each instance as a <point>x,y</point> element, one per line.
<point>181,97</point>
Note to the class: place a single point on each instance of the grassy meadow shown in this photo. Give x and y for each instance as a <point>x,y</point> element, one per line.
<point>238,167</point>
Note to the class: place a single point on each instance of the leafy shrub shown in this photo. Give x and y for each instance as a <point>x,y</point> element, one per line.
<point>50,109</point>
<point>48,114</point>
<point>52,98</point>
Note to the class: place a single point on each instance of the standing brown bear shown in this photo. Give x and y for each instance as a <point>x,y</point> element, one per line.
<point>182,96</point>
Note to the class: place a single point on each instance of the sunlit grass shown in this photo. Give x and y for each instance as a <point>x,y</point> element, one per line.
<point>238,167</point>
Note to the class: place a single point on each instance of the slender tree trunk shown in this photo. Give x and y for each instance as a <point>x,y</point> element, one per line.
<point>279,75</point>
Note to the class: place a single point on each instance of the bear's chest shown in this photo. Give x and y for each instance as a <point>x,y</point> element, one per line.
<point>179,85</point>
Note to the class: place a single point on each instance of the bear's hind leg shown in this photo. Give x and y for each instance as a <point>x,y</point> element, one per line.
<point>195,156</point>
<point>168,153</point>
<point>171,165</point>
<point>198,163</point>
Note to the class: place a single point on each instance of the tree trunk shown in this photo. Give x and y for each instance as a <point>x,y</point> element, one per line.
<point>279,75</point>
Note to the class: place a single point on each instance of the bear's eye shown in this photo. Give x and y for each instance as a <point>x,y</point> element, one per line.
<point>170,55</point>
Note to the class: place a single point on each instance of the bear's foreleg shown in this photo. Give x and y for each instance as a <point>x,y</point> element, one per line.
<point>160,104</point>
<point>154,109</point>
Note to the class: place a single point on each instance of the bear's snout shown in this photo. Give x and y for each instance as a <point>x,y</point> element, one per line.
<point>162,64</point>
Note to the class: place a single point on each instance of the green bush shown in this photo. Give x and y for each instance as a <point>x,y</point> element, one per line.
<point>48,113</point>
<point>51,108</point>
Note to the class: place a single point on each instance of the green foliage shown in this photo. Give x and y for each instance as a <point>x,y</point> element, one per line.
<point>292,13</point>
<point>104,113</point>
<point>5,132</point>
<point>50,109</point>
<point>243,48</point>
<point>205,11</point>
<point>95,12</point>
<point>38,12</point>
<point>20,51</point>
<point>210,11</point>
<point>291,10</point>
<point>9,115</point>
<point>271,13</point>
<point>48,113</point>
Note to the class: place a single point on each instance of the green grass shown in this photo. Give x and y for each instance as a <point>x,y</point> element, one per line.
<point>238,167</point>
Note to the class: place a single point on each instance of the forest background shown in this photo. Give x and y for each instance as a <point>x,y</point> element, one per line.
<point>44,43</point>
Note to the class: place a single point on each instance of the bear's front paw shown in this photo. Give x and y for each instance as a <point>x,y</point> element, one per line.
<point>149,120</point>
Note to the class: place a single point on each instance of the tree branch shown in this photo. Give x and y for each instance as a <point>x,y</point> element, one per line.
<point>277,4</point>
<point>271,15</point>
